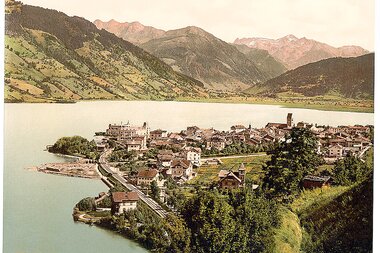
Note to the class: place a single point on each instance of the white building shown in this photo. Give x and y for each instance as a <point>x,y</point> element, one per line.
<point>335,151</point>
<point>124,201</point>
<point>181,169</point>
<point>193,155</point>
<point>127,131</point>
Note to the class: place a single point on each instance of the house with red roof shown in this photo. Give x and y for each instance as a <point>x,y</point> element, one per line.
<point>123,201</point>
<point>145,177</point>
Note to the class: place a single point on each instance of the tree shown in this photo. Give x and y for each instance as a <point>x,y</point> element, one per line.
<point>75,145</point>
<point>209,218</point>
<point>86,204</point>
<point>155,190</point>
<point>255,217</point>
<point>240,221</point>
<point>350,170</point>
<point>291,160</point>
<point>112,143</point>
<point>178,233</point>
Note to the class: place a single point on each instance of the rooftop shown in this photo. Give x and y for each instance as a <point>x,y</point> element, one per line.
<point>119,197</point>
<point>147,173</point>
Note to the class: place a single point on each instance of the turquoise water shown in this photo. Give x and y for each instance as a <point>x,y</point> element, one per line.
<point>38,207</point>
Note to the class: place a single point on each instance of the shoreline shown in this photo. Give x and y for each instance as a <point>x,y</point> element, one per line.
<point>305,103</point>
<point>68,175</point>
<point>78,158</point>
<point>78,218</point>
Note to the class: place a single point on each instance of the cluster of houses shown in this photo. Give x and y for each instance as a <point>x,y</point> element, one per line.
<point>180,152</point>
<point>338,142</point>
<point>178,166</point>
<point>333,143</point>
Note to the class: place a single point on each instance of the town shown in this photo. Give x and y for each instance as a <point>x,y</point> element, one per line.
<point>141,157</point>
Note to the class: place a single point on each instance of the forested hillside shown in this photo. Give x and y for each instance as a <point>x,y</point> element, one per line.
<point>345,77</point>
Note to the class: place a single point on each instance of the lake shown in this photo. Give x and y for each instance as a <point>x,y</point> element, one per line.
<point>38,207</point>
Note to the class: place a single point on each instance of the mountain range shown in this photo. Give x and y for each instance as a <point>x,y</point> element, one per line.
<point>51,56</point>
<point>263,60</point>
<point>294,52</point>
<point>199,54</point>
<point>351,77</point>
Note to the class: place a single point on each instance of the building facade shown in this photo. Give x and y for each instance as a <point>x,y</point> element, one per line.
<point>123,202</point>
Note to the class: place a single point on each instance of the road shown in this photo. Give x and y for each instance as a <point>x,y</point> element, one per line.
<point>232,156</point>
<point>361,154</point>
<point>147,200</point>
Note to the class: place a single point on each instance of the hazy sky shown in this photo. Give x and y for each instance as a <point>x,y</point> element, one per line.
<point>336,22</point>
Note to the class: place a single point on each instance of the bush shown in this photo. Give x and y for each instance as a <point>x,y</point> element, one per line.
<point>86,204</point>
<point>75,145</point>
<point>350,170</point>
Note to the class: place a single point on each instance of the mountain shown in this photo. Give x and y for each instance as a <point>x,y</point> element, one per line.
<point>263,60</point>
<point>294,52</point>
<point>177,49</point>
<point>133,32</point>
<point>347,77</point>
<point>199,54</point>
<point>50,56</point>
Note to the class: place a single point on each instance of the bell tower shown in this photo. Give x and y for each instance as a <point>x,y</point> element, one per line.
<point>242,172</point>
<point>289,120</point>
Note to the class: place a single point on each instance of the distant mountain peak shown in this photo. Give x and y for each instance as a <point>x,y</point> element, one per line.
<point>289,37</point>
<point>192,30</point>
<point>295,52</point>
<point>134,32</point>
<point>199,54</point>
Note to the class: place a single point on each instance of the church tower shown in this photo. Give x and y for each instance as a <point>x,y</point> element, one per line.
<point>242,172</point>
<point>289,120</point>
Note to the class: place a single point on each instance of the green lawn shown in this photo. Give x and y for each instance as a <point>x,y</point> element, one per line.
<point>328,167</point>
<point>253,165</point>
<point>313,199</point>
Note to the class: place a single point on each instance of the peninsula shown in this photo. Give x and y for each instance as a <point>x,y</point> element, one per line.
<point>160,180</point>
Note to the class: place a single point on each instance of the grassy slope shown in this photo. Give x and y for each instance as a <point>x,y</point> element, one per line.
<point>253,165</point>
<point>336,219</point>
<point>348,77</point>
<point>72,60</point>
<point>345,225</point>
<point>323,103</point>
<point>288,236</point>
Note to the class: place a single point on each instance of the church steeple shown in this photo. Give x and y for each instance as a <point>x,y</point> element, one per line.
<point>242,172</point>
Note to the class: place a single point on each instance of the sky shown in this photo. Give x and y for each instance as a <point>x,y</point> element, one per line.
<point>335,22</point>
